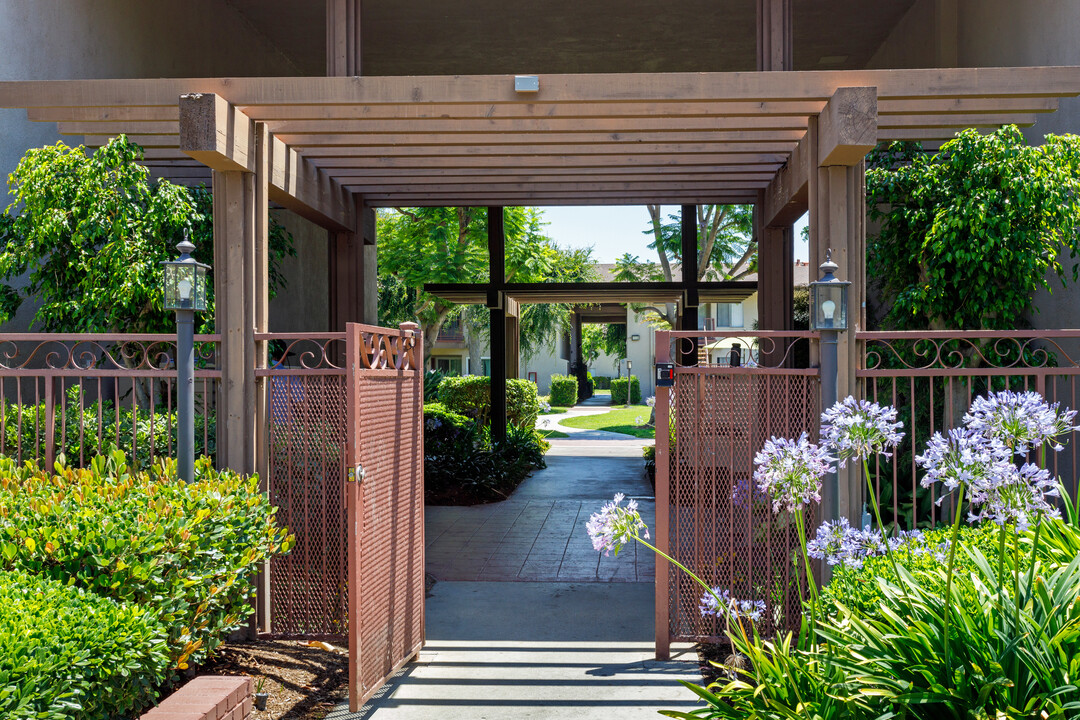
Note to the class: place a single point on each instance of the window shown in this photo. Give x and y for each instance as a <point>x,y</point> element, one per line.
<point>448,365</point>
<point>729,315</point>
<point>485,367</point>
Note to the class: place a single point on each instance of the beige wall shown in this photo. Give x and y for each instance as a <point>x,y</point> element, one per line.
<point>303,306</point>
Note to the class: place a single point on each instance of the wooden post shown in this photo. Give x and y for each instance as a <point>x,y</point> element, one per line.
<point>688,320</point>
<point>261,324</point>
<point>347,273</point>
<point>775,40</point>
<point>497,307</point>
<point>847,130</point>
<point>513,338</point>
<point>234,295</point>
<point>343,38</point>
<point>662,586</point>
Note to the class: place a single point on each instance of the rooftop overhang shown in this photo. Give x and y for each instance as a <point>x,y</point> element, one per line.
<point>676,138</point>
<point>596,293</point>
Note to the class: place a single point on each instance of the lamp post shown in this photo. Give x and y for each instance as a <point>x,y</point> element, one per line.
<point>185,292</point>
<point>828,316</point>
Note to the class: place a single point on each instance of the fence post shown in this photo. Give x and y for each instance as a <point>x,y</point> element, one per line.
<point>663,495</point>
<point>50,421</point>
<point>354,517</point>
<point>827,339</point>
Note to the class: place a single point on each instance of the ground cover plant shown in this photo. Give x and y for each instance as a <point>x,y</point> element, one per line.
<point>979,622</point>
<point>632,420</point>
<point>182,555</point>
<point>463,466</point>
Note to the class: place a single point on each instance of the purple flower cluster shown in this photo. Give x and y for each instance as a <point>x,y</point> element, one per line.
<point>1002,492</point>
<point>1021,421</point>
<point>614,525</point>
<point>729,607</point>
<point>837,543</point>
<point>789,472</point>
<point>747,494</point>
<point>857,429</point>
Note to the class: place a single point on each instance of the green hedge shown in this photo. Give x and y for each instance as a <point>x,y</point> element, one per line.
<point>471,396</point>
<point>563,391</point>
<point>619,390</point>
<point>77,436</point>
<point>68,653</point>
<point>601,382</point>
<point>185,552</point>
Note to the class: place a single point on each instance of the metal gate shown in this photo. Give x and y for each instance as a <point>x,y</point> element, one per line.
<point>345,469</point>
<point>709,514</point>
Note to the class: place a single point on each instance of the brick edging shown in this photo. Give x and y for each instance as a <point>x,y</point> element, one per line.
<point>209,697</point>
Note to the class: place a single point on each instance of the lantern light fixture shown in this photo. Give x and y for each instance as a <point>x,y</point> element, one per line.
<point>185,280</point>
<point>828,299</point>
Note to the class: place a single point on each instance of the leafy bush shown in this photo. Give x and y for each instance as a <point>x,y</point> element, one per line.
<point>463,466</point>
<point>184,552</point>
<point>68,653</point>
<point>432,380</point>
<point>619,388</point>
<point>601,382</point>
<point>77,436</point>
<point>471,396</point>
<point>563,390</point>
<point>649,453</point>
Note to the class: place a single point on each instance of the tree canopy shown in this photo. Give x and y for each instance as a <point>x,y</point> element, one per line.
<point>969,233</point>
<point>449,245</point>
<point>89,233</point>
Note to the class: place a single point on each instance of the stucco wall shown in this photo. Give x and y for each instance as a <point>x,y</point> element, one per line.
<point>303,306</point>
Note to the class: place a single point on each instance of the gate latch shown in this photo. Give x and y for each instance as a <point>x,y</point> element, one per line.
<point>356,473</point>
<point>665,374</point>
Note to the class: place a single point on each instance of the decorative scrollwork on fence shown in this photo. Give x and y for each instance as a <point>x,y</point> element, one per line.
<point>314,353</point>
<point>965,350</point>
<point>389,351</point>
<point>753,351</point>
<point>102,353</point>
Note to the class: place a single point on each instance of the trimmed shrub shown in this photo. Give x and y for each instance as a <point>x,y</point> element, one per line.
<point>184,552</point>
<point>601,382</point>
<point>68,653</point>
<point>620,387</point>
<point>563,390</point>
<point>471,396</point>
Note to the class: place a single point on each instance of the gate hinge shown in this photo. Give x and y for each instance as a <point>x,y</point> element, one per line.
<point>356,473</point>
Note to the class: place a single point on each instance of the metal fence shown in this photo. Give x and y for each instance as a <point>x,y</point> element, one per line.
<point>78,395</point>
<point>932,377</point>
<point>710,516</point>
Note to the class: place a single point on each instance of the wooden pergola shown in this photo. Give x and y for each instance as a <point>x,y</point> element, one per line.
<point>333,149</point>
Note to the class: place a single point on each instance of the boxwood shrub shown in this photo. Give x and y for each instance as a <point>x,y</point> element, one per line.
<point>186,553</point>
<point>621,386</point>
<point>68,653</point>
<point>563,390</point>
<point>601,382</point>
<point>471,396</point>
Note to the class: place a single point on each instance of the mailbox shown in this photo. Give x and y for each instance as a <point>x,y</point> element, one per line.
<point>665,374</point>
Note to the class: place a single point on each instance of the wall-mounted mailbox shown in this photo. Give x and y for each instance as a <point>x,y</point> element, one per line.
<point>665,374</point>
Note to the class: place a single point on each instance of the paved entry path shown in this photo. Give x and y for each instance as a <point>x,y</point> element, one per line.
<point>526,620</point>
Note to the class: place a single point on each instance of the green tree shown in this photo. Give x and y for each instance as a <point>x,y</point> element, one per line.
<point>603,339</point>
<point>726,248</point>
<point>449,245</point>
<point>89,237</point>
<point>969,233</point>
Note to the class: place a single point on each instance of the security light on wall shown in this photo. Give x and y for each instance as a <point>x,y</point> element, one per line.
<point>635,338</point>
<point>526,83</point>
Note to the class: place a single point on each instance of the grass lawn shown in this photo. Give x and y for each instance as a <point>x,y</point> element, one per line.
<point>621,420</point>
<point>552,434</point>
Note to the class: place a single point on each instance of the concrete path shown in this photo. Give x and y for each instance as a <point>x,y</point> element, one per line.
<point>533,651</point>
<point>526,620</point>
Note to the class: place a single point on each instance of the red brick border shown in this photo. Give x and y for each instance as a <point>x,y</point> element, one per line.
<point>210,697</point>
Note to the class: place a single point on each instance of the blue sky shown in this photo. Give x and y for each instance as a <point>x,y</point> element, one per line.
<point>613,231</point>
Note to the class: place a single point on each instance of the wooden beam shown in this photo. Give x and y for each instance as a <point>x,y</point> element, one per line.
<point>343,47</point>
<point>848,127</point>
<point>589,188</point>
<point>531,150</point>
<point>627,160</point>
<point>496,140</point>
<point>519,174</point>
<point>775,37</point>
<point>1057,81</point>
<point>221,137</point>
<point>572,199</point>
<point>369,183</point>
<point>787,197</point>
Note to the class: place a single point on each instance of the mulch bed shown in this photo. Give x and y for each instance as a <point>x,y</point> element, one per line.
<point>707,655</point>
<point>305,681</point>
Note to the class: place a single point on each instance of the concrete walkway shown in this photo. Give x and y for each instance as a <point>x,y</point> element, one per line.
<point>526,620</point>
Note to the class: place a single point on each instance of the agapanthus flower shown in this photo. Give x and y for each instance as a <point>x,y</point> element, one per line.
<point>965,457</point>
<point>746,493</point>
<point>1015,502</point>
<point>651,401</point>
<point>828,543</point>
<point>790,471</point>
<point>729,607</point>
<point>911,540</point>
<point>1021,421</point>
<point>857,429</point>
<point>614,525</point>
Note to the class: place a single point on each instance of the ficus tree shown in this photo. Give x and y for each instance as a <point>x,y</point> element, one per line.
<point>86,236</point>
<point>969,233</point>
